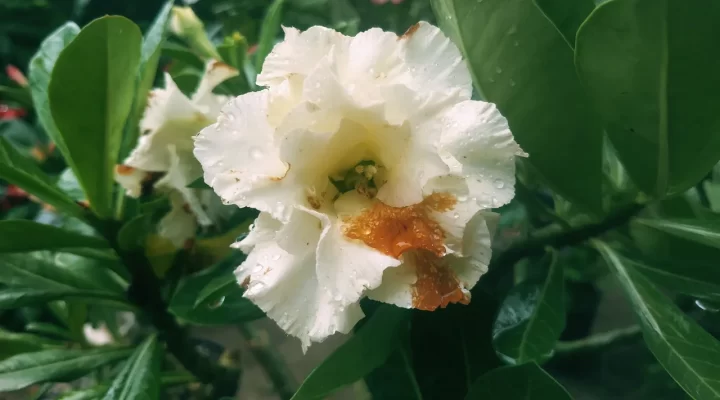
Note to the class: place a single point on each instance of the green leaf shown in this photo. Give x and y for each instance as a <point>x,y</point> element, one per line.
<point>182,53</point>
<point>50,330</point>
<point>21,95</point>
<point>649,66</point>
<point>23,172</point>
<point>33,277</point>
<point>269,32</point>
<point>689,354</point>
<point>344,17</point>
<point>12,343</point>
<point>199,183</point>
<point>149,58</point>
<point>64,365</point>
<point>91,112</point>
<point>531,318</point>
<point>222,304</point>
<point>520,62</point>
<point>41,67</point>
<point>566,15</point>
<point>133,233</point>
<point>521,382</point>
<point>21,235</point>
<point>140,377</point>
<point>366,350</point>
<point>706,232</point>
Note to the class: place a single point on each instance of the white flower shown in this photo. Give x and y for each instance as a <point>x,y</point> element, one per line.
<point>170,121</point>
<point>371,167</point>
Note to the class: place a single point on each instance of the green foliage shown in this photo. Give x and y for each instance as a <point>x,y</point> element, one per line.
<point>686,351</point>
<point>213,297</point>
<point>525,381</point>
<point>90,114</point>
<point>648,73</point>
<point>365,351</point>
<point>22,235</point>
<point>531,318</point>
<point>614,102</point>
<point>140,377</point>
<point>53,365</point>
<point>519,61</point>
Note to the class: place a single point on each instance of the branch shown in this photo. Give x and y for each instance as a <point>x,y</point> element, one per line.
<point>145,292</point>
<point>599,340</point>
<point>570,237</point>
<point>275,369</point>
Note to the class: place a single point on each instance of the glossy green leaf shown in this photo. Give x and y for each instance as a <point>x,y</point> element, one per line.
<point>518,382</point>
<point>41,67</point>
<point>50,330</point>
<point>649,66</point>
<point>566,15</point>
<point>531,318</point>
<point>520,62</point>
<point>182,53</point>
<point>706,232</point>
<point>12,343</point>
<point>91,112</point>
<point>149,58</point>
<point>140,377</point>
<point>23,172</point>
<point>689,354</point>
<point>366,350</point>
<point>33,277</point>
<point>269,32</point>
<point>26,369</point>
<point>21,235</point>
<point>223,303</point>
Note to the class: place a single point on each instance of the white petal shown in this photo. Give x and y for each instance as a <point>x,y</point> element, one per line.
<point>477,140</point>
<point>348,268</point>
<point>130,179</point>
<point>435,63</point>
<point>287,288</point>
<point>453,221</point>
<point>298,54</point>
<point>263,230</point>
<point>183,170</point>
<point>179,225</point>
<point>204,99</point>
<point>241,161</point>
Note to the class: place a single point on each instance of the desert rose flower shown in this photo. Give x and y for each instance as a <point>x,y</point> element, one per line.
<point>374,173</point>
<point>170,121</point>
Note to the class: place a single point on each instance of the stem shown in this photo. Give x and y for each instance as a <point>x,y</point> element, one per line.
<point>273,365</point>
<point>570,237</point>
<point>599,340</point>
<point>145,292</point>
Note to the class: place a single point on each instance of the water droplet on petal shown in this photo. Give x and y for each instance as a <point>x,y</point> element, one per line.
<point>276,257</point>
<point>255,153</point>
<point>456,215</point>
<point>499,183</point>
<point>251,227</point>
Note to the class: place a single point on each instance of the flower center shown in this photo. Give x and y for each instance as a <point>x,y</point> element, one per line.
<point>361,178</point>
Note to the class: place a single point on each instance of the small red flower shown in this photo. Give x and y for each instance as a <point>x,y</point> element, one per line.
<point>16,75</point>
<point>7,113</point>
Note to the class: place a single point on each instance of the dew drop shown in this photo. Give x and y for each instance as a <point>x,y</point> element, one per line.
<point>462,198</point>
<point>456,215</point>
<point>251,227</point>
<point>275,257</point>
<point>498,70</point>
<point>255,153</point>
<point>516,43</point>
<point>217,303</point>
<point>499,183</point>
<point>512,83</point>
<point>492,80</point>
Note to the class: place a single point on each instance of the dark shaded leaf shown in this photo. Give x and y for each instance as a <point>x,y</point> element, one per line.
<point>689,354</point>
<point>648,65</point>
<point>20,235</point>
<point>521,382</point>
<point>520,62</point>
<point>366,350</point>
<point>531,318</point>
<point>269,32</point>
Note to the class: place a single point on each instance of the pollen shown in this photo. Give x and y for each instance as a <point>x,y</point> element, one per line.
<point>412,233</point>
